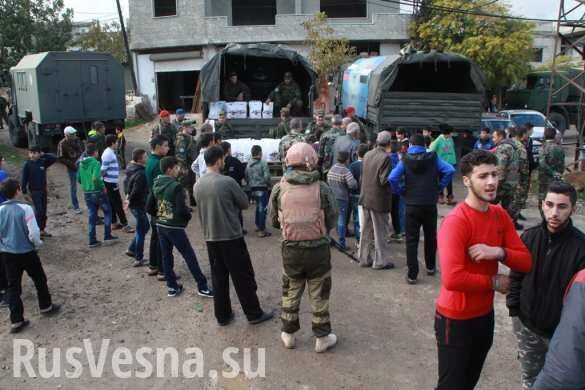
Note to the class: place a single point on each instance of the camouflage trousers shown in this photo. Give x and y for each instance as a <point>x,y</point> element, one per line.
<point>505,198</point>
<point>520,196</point>
<point>314,272</point>
<point>532,350</point>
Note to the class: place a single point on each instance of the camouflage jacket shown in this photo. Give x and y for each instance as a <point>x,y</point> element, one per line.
<point>552,160</point>
<point>185,148</point>
<point>287,141</point>
<point>225,130</point>
<point>523,163</point>
<point>318,130</point>
<point>327,148</point>
<point>169,131</point>
<point>507,163</point>
<point>280,131</point>
<point>284,94</point>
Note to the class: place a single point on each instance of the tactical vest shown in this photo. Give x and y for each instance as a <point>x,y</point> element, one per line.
<point>300,214</point>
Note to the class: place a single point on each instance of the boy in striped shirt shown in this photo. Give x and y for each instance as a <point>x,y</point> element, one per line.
<point>341,182</point>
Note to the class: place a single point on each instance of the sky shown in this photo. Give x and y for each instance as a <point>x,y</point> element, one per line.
<point>105,10</point>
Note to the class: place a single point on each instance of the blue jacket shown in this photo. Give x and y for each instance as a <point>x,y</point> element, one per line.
<point>34,173</point>
<point>487,146</point>
<point>447,171</point>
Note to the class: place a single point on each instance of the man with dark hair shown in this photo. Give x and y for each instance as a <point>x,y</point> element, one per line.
<point>34,182</point>
<point>354,195</point>
<point>295,135</point>
<point>111,172</point>
<point>424,175</point>
<point>551,163</point>
<point>287,95</point>
<point>474,237</point>
<point>341,182</point>
<point>535,300</point>
<point>444,146</point>
<point>259,181</point>
<point>198,167</point>
<point>234,90</point>
<point>136,192</point>
<point>185,153</point>
<point>508,173</point>
<point>19,241</point>
<point>219,201</point>
<point>233,166</point>
<point>97,136</point>
<point>484,141</point>
<point>168,204</point>
<point>160,147</point>
<point>327,145</point>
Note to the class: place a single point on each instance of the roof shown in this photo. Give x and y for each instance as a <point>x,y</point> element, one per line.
<point>30,61</point>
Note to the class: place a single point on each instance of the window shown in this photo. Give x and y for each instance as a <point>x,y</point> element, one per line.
<point>165,8</point>
<point>21,81</point>
<point>537,55</point>
<point>253,13</point>
<point>345,8</point>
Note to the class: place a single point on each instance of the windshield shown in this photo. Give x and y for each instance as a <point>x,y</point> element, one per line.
<point>496,124</point>
<point>522,119</point>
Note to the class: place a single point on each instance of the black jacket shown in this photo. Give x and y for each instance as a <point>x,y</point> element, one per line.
<point>537,297</point>
<point>234,168</point>
<point>135,186</point>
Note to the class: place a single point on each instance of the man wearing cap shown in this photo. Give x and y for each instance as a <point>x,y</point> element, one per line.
<point>287,94</point>
<point>166,128</point>
<point>179,118</point>
<point>69,150</point>
<point>283,127</point>
<point>234,90</point>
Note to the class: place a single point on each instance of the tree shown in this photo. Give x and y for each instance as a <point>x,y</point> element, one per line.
<point>501,47</point>
<point>32,26</point>
<point>105,38</point>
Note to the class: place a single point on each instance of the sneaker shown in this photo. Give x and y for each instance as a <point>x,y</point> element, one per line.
<point>387,266</point>
<point>152,272</point>
<point>173,292</point>
<point>128,229</point>
<point>263,318</point>
<point>110,240</point>
<point>77,211</point>
<point>19,326</point>
<point>410,281</point>
<point>130,254</point>
<point>322,344</point>
<point>288,339</point>
<point>52,310</point>
<point>205,292</point>
<point>264,233</point>
<point>431,272</point>
<point>95,244</point>
<point>138,263</point>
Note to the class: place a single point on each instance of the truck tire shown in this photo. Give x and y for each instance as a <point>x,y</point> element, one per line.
<point>17,137</point>
<point>559,121</point>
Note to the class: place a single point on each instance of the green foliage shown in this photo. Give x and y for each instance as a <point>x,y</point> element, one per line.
<point>31,26</point>
<point>326,52</point>
<point>105,38</point>
<point>501,47</point>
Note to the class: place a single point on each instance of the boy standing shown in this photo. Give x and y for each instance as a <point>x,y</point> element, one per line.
<point>485,141</point>
<point>111,173</point>
<point>136,192</point>
<point>259,180</point>
<point>341,182</point>
<point>69,150</point>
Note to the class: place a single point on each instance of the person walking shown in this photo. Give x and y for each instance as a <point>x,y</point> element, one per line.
<point>535,300</point>
<point>425,175</point>
<point>111,172</point>
<point>304,208</point>
<point>168,204</point>
<point>136,191</point>
<point>341,182</point>
<point>444,147</point>
<point>219,201</point>
<point>259,181</point>
<point>508,173</point>
<point>376,201</point>
<point>69,151</point>
<point>473,239</point>
<point>34,182</point>
<point>19,241</point>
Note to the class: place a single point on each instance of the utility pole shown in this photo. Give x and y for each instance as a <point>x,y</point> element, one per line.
<point>128,54</point>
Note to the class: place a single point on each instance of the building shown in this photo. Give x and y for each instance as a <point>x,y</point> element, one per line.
<point>78,29</point>
<point>543,45</point>
<point>171,40</point>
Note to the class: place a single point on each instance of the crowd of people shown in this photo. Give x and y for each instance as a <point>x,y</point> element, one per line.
<point>334,178</point>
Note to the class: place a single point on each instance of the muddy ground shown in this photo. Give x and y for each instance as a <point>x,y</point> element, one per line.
<point>385,327</point>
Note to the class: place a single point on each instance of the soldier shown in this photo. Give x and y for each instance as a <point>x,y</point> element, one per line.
<point>97,136</point>
<point>551,163</point>
<point>234,90</point>
<point>3,114</point>
<point>327,143</point>
<point>295,136</point>
<point>507,156</point>
<point>179,118</point>
<point>521,193</point>
<point>185,154</point>
<point>166,128</point>
<point>304,208</point>
<point>283,127</point>
<point>319,126</point>
<point>287,94</point>
<point>224,127</point>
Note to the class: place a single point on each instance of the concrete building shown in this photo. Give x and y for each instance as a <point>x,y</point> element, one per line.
<point>78,30</point>
<point>171,40</point>
<point>543,44</point>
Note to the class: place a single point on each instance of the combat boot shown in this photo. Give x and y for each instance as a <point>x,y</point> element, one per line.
<point>322,344</point>
<point>288,339</point>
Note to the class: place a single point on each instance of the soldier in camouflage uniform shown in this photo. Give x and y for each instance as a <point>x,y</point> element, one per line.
<point>507,170</point>
<point>319,126</point>
<point>287,94</point>
<point>185,154</point>
<point>306,252</point>
<point>327,143</point>
<point>284,125</point>
<point>551,163</point>
<point>295,136</point>
<point>166,128</point>
<point>521,193</point>
<point>224,127</point>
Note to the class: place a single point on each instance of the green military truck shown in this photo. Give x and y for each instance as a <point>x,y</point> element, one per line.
<point>534,96</point>
<point>52,90</point>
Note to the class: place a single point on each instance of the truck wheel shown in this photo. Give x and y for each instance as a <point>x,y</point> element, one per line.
<point>559,121</point>
<point>16,136</point>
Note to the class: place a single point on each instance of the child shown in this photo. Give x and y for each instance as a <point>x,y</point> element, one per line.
<point>121,147</point>
<point>484,142</point>
<point>34,182</point>
<point>341,182</point>
<point>259,180</point>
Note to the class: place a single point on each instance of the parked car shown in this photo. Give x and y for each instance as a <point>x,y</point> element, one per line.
<point>495,122</point>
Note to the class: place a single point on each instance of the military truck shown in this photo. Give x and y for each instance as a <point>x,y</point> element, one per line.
<point>52,90</point>
<point>533,95</point>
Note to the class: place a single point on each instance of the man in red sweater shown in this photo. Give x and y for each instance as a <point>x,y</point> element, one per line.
<point>473,239</point>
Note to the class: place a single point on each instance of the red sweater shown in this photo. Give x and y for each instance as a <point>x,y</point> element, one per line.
<point>466,286</point>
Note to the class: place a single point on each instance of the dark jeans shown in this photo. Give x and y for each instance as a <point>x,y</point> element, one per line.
<point>73,188</point>
<point>177,238</point>
<point>260,196</point>
<point>16,265</point>
<point>395,214</point>
<point>463,346</point>
<point>142,227</point>
<point>3,280</point>
<point>116,202</point>
<point>231,258</point>
<point>155,258</point>
<point>342,220</point>
<point>39,199</point>
<point>417,216</point>
<point>94,201</point>
<point>354,201</point>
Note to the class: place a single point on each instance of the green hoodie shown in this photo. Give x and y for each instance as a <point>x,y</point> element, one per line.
<point>171,207</point>
<point>328,204</point>
<point>152,169</point>
<point>90,176</point>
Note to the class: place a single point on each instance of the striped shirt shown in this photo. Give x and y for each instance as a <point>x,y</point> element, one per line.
<point>110,167</point>
<point>341,181</point>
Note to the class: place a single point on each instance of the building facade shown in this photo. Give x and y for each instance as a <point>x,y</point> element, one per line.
<point>171,40</point>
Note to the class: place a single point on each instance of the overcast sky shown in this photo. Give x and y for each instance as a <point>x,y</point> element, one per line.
<point>105,10</point>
